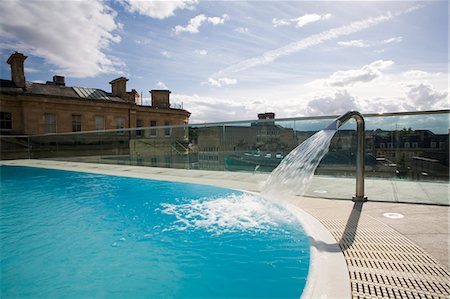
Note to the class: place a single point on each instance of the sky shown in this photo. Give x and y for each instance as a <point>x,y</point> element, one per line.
<point>230,60</point>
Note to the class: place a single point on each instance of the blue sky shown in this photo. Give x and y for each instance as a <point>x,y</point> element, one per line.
<point>229,60</point>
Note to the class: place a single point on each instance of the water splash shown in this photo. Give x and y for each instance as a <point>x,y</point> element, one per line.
<point>292,175</point>
<point>234,213</point>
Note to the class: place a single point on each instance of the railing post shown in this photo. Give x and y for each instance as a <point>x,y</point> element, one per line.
<point>360,150</point>
<point>360,157</point>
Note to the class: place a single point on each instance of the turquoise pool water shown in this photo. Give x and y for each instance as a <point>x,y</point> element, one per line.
<point>71,234</point>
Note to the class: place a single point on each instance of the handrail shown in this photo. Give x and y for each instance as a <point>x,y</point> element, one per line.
<point>360,150</point>
<point>234,122</point>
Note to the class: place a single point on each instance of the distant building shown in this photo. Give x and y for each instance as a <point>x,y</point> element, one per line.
<point>416,153</point>
<point>28,108</point>
<point>261,144</point>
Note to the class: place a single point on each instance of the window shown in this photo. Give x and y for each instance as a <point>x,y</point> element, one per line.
<point>138,125</point>
<point>99,123</point>
<point>407,145</point>
<point>415,145</point>
<point>153,131</point>
<point>433,144</point>
<point>382,145</point>
<point>120,124</point>
<point>390,145</point>
<point>167,131</point>
<point>76,123</point>
<point>5,120</point>
<point>49,122</point>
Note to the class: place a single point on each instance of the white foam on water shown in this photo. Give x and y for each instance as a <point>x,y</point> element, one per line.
<point>293,174</point>
<point>234,213</point>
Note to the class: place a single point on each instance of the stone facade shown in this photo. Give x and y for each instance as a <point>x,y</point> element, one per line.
<point>29,108</point>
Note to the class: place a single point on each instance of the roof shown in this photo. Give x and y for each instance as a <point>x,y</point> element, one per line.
<point>6,83</point>
<point>91,93</point>
<point>47,89</point>
<point>60,91</point>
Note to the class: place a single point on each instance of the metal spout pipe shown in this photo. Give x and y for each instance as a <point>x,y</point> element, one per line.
<point>360,151</point>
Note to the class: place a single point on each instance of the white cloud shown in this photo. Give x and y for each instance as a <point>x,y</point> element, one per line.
<point>365,43</point>
<point>221,81</point>
<point>338,103</point>
<point>365,74</point>
<point>340,78</point>
<point>243,30</point>
<point>310,41</point>
<point>161,85</point>
<point>300,21</point>
<point>417,74</point>
<point>212,109</point>
<point>158,9</point>
<point>416,97</point>
<point>166,54</point>
<point>193,25</point>
<point>75,44</point>
<point>425,97</point>
<point>355,43</point>
<point>310,18</point>
<point>143,41</point>
<point>201,52</point>
<point>218,20</point>
<point>280,22</point>
<point>196,22</point>
<point>393,40</point>
<point>31,70</point>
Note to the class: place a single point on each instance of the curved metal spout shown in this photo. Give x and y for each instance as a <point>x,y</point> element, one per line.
<point>360,154</point>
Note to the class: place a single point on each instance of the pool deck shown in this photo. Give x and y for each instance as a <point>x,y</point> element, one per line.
<point>405,257</point>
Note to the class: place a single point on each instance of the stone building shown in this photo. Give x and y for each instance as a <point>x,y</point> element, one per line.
<point>43,109</point>
<point>29,108</point>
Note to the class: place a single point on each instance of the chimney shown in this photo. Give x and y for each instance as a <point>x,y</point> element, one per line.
<point>17,72</point>
<point>160,98</point>
<point>119,87</point>
<point>267,115</point>
<point>59,80</point>
<point>134,97</point>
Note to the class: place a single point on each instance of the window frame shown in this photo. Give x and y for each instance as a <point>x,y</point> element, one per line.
<point>98,117</point>
<point>120,124</point>
<point>50,126</point>
<point>76,122</point>
<point>139,125</point>
<point>153,132</point>
<point>167,131</point>
<point>5,121</point>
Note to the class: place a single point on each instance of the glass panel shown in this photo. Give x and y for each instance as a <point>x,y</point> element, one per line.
<point>407,155</point>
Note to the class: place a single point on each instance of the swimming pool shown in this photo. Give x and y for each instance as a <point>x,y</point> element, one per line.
<point>72,234</point>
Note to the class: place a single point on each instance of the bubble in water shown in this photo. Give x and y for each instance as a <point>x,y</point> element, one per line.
<point>234,213</point>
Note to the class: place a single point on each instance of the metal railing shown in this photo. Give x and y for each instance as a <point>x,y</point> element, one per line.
<point>360,149</point>
<point>408,151</point>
